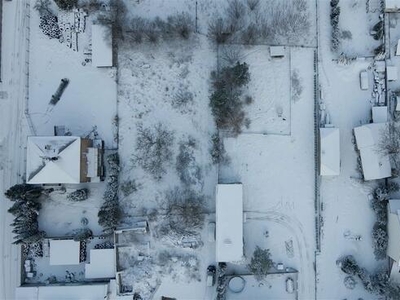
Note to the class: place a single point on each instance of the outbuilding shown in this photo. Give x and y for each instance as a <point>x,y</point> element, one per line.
<point>102,264</point>
<point>329,151</point>
<point>277,51</point>
<point>229,223</point>
<point>102,53</point>
<point>375,165</point>
<point>392,5</point>
<point>379,114</point>
<point>391,73</point>
<point>64,252</point>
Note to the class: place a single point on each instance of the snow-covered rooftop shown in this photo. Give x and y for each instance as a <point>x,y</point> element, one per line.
<point>379,114</point>
<point>374,164</point>
<point>66,292</point>
<point>330,151</point>
<point>277,51</point>
<point>229,222</point>
<point>102,264</point>
<point>102,46</point>
<point>392,5</point>
<point>391,73</point>
<point>393,249</point>
<point>64,252</point>
<point>54,159</point>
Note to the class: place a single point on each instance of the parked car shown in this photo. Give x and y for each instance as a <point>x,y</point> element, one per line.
<point>289,285</point>
<point>211,232</point>
<point>364,80</point>
<point>211,270</point>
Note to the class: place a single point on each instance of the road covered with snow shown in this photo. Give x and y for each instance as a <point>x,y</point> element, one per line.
<point>12,130</point>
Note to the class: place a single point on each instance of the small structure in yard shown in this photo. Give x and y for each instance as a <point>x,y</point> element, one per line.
<point>392,6</point>
<point>63,159</point>
<point>102,46</point>
<point>398,48</point>
<point>102,264</point>
<point>393,249</point>
<point>391,73</point>
<point>229,222</point>
<point>93,291</point>
<point>277,51</point>
<point>329,151</point>
<point>375,165</point>
<point>64,252</point>
<point>379,114</point>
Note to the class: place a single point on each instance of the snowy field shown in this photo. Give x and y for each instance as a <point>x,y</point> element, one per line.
<point>344,199</point>
<point>89,99</point>
<point>282,198</point>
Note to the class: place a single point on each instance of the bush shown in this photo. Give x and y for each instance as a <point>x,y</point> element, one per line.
<point>380,240</point>
<point>188,170</point>
<point>336,35</point>
<point>217,150</point>
<point>78,195</point>
<point>153,149</point>
<point>349,265</point>
<point>218,31</point>
<point>260,263</point>
<point>350,282</point>
<point>181,24</point>
<point>66,4</point>
<point>182,98</point>
<point>83,235</point>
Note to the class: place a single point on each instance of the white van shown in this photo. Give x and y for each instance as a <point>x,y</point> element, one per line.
<point>364,80</point>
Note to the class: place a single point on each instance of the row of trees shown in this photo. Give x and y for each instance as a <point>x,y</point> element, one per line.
<point>226,99</point>
<point>377,283</point>
<point>336,34</point>
<point>244,23</point>
<point>25,209</point>
<point>110,212</point>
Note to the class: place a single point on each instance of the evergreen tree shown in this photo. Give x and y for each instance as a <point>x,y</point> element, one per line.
<point>260,263</point>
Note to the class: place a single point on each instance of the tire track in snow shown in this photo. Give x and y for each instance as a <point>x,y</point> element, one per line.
<point>295,227</point>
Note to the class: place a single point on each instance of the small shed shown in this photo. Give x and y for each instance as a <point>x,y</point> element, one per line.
<point>375,165</point>
<point>229,222</point>
<point>391,73</point>
<point>101,46</point>
<point>398,48</point>
<point>329,151</point>
<point>64,252</point>
<point>379,114</point>
<point>277,51</point>
<point>102,264</point>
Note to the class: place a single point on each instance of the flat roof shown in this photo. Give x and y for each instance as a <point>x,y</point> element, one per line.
<point>375,165</point>
<point>391,73</point>
<point>64,252</point>
<point>330,151</point>
<point>63,292</point>
<point>101,46</point>
<point>102,264</point>
<point>229,222</point>
<point>379,114</point>
<point>392,4</point>
<point>53,159</point>
<point>277,51</point>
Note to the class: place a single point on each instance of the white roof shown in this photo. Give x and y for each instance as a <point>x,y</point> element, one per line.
<point>102,264</point>
<point>54,159</point>
<point>374,164</point>
<point>277,51</point>
<point>64,252</point>
<point>398,48</point>
<point>391,73</point>
<point>379,114</point>
<point>101,46</point>
<point>393,249</point>
<point>392,4</point>
<point>330,151</point>
<point>65,292</point>
<point>229,222</point>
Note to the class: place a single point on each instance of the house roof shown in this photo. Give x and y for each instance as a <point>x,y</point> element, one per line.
<point>379,114</point>
<point>63,292</point>
<point>277,51</point>
<point>229,222</point>
<point>330,151</point>
<point>54,159</point>
<point>392,4</point>
<point>102,264</point>
<point>101,46</point>
<point>64,252</point>
<point>374,164</point>
<point>391,73</point>
<point>393,249</point>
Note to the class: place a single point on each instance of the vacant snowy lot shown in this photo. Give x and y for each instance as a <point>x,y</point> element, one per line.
<point>90,97</point>
<point>344,199</point>
<point>277,173</point>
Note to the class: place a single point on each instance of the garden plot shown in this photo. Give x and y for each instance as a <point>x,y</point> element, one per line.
<point>356,21</point>
<point>278,176</point>
<point>89,99</point>
<point>269,87</point>
<point>165,88</point>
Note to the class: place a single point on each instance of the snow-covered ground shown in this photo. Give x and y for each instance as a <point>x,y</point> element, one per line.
<point>344,199</point>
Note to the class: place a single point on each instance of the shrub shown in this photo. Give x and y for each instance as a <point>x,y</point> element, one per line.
<point>83,235</point>
<point>153,149</point>
<point>218,31</point>
<point>350,282</point>
<point>380,240</point>
<point>349,265</point>
<point>78,195</point>
<point>188,170</point>
<point>217,150</point>
<point>66,4</point>
<point>260,263</point>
